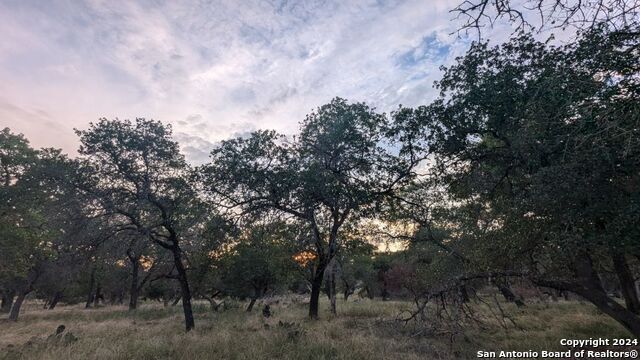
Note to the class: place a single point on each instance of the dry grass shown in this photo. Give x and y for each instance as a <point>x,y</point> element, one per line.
<point>363,330</point>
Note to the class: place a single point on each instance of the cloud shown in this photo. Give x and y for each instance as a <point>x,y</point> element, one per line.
<point>195,148</point>
<point>18,117</point>
<point>214,69</point>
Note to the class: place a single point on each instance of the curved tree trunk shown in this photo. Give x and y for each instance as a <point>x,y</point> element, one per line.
<point>610,307</point>
<point>15,309</point>
<point>185,292</point>
<point>33,276</point>
<point>599,298</point>
<point>627,282</point>
<point>589,287</point>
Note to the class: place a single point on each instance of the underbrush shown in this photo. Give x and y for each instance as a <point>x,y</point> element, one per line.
<point>363,329</point>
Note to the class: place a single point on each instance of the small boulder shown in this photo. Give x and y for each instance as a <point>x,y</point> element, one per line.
<point>60,329</point>
<point>60,337</point>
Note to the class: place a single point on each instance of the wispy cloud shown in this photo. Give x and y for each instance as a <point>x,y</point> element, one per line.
<point>214,69</point>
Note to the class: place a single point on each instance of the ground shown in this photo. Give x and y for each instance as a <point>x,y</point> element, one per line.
<point>364,329</point>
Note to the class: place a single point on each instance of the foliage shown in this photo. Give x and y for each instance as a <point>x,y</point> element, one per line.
<point>261,262</point>
<point>142,183</point>
<point>537,147</point>
<point>336,169</point>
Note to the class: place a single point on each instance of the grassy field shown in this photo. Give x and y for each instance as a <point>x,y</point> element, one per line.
<point>362,330</point>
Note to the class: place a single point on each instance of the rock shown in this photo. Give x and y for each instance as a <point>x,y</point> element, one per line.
<point>60,337</point>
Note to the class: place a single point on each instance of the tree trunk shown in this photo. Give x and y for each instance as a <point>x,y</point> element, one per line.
<point>98,296</point>
<point>590,288</point>
<point>7,301</point>
<point>256,294</point>
<point>92,281</point>
<point>627,283</point>
<point>184,288</point>
<point>381,278</point>
<point>624,316</point>
<point>508,294</point>
<point>332,287</point>
<point>32,277</point>
<point>370,293</point>
<point>598,297</point>
<point>15,309</point>
<point>54,301</point>
<point>251,303</point>
<point>384,293</point>
<point>348,290</point>
<point>316,285</point>
<point>133,292</point>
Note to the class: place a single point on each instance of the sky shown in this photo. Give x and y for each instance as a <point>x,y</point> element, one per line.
<point>215,69</point>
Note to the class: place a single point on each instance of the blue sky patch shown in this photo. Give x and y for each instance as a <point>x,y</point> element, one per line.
<point>430,49</point>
